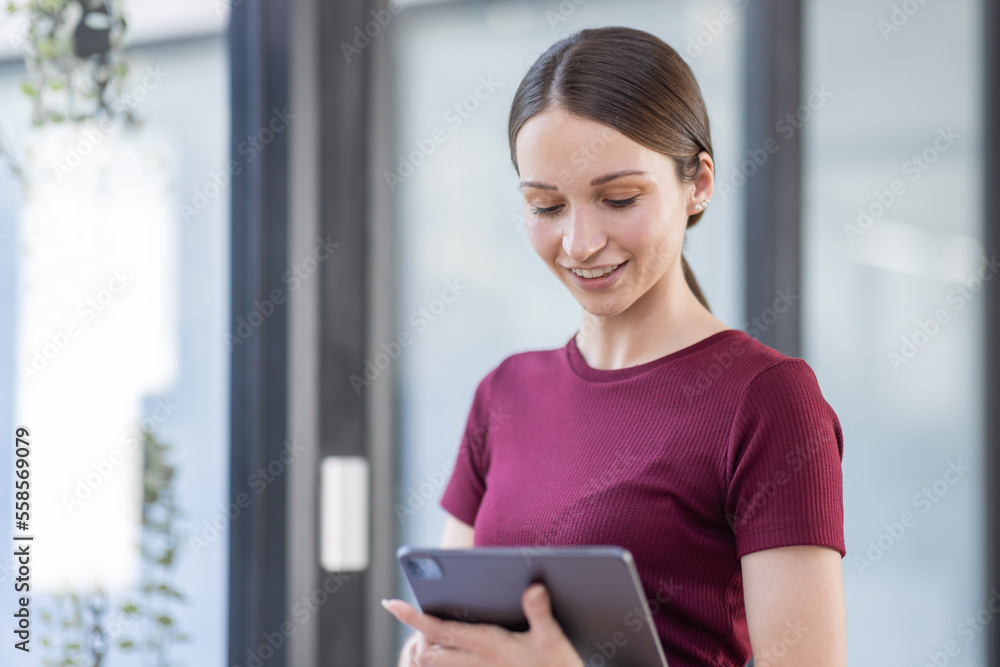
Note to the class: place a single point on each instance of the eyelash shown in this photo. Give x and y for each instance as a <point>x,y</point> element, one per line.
<point>614,203</point>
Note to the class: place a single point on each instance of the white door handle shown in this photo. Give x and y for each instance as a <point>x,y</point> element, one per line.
<point>344,513</point>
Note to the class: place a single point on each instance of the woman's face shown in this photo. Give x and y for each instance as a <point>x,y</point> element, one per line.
<point>595,200</point>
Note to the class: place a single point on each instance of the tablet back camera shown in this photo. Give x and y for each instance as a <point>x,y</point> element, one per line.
<point>423,567</point>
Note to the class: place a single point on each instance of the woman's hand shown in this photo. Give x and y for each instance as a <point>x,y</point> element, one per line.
<point>460,644</point>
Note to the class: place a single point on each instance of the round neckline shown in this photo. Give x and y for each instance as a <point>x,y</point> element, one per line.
<point>587,372</point>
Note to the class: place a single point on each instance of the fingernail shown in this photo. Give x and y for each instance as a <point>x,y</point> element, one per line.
<point>385,603</point>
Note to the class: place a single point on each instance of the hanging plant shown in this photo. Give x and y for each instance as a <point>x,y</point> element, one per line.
<point>75,59</point>
<point>159,548</point>
<point>76,63</point>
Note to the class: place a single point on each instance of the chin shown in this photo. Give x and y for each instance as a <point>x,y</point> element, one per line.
<point>601,307</point>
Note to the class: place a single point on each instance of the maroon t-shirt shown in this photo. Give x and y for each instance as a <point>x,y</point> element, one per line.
<point>689,461</point>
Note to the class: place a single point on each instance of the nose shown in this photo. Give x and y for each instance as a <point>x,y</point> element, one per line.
<point>582,236</point>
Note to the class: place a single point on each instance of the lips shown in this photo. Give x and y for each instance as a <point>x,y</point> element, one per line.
<point>603,282</point>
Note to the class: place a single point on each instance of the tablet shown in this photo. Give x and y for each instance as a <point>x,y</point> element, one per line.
<point>597,596</point>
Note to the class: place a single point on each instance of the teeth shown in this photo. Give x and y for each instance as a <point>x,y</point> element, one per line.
<point>596,273</point>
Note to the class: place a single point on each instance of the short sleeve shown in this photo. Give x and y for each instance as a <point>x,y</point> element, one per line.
<point>784,464</point>
<point>464,491</point>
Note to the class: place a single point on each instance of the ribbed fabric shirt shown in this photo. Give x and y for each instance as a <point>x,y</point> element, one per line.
<point>689,461</point>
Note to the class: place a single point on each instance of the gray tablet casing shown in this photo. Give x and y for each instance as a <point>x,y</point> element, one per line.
<point>597,596</point>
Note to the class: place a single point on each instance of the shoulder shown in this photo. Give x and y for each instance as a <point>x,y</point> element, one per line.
<point>774,379</point>
<point>781,394</point>
<point>524,368</point>
<point>754,369</point>
<point>520,371</point>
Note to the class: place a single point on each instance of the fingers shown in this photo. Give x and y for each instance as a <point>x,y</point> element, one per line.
<point>537,607</point>
<point>406,613</point>
<point>436,655</point>
<point>435,630</point>
<point>408,655</point>
<point>421,653</point>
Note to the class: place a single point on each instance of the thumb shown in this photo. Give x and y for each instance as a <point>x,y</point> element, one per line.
<point>538,609</point>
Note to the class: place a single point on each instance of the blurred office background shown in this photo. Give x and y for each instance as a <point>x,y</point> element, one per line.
<point>308,177</point>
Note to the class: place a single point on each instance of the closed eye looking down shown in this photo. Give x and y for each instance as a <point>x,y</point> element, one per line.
<point>613,203</point>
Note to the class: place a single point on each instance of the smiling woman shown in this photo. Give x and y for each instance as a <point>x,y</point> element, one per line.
<point>669,121</point>
<point>606,443</point>
<point>616,236</point>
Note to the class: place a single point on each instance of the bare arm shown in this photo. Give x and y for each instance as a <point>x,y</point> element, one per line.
<point>796,614</point>
<point>457,535</point>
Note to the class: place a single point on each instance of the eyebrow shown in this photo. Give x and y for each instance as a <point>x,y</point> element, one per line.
<point>600,180</point>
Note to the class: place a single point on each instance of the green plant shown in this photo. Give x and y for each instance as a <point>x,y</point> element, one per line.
<point>74,57</point>
<point>79,634</point>
<point>159,549</point>
<point>76,63</point>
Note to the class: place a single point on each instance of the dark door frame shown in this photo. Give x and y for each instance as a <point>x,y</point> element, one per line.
<point>773,201</point>
<point>258,51</point>
<point>991,336</point>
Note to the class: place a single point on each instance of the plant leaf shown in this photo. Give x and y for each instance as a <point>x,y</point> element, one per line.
<point>47,48</point>
<point>167,590</point>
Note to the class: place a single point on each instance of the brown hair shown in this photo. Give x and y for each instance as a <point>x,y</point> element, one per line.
<point>630,81</point>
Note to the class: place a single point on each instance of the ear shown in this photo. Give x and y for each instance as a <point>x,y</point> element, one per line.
<point>704,185</point>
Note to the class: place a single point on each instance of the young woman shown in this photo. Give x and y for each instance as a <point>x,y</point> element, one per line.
<point>712,458</point>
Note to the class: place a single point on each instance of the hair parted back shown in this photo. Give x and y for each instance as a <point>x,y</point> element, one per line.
<point>631,81</point>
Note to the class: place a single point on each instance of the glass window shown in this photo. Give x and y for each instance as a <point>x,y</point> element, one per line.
<point>114,302</point>
<point>893,267</point>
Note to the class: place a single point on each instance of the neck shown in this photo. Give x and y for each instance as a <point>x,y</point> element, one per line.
<point>667,318</point>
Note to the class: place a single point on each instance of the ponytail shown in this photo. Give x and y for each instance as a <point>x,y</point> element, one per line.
<point>693,283</point>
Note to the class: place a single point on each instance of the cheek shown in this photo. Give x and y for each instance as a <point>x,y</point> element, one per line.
<point>544,236</point>
<point>655,239</point>
<point>643,230</point>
